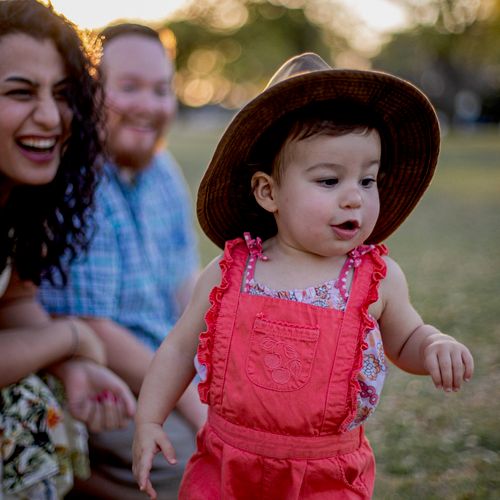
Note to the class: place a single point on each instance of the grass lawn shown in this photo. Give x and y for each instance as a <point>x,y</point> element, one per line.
<point>431,445</point>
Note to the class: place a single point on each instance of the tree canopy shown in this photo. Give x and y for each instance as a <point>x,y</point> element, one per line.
<point>228,49</point>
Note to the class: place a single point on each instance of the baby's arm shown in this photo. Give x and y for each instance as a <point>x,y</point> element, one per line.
<point>168,376</point>
<point>414,346</point>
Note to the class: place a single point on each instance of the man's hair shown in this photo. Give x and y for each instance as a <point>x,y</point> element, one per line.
<point>165,37</point>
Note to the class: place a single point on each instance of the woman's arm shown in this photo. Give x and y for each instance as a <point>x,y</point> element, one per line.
<point>126,355</point>
<point>414,346</point>
<point>31,341</point>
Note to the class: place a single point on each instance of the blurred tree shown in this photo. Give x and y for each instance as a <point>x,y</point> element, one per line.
<point>451,16</point>
<point>453,54</point>
<point>228,49</point>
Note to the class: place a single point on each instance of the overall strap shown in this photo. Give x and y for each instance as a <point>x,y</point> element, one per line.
<point>369,270</point>
<point>215,340</point>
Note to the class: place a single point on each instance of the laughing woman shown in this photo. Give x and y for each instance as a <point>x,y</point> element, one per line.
<point>52,372</point>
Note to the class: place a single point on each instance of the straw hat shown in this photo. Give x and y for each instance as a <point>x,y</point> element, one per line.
<point>226,207</point>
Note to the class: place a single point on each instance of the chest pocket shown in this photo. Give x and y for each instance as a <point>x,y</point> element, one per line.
<point>281,354</point>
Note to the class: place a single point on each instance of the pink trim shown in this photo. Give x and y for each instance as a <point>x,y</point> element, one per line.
<point>353,260</point>
<point>375,252</point>
<point>255,249</point>
<point>206,341</point>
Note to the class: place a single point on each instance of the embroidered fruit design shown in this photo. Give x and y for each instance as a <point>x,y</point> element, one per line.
<point>281,359</point>
<point>272,360</point>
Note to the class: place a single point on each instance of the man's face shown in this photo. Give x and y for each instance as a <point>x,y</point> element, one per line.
<point>139,99</point>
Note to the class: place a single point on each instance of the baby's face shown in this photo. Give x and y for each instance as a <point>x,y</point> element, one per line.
<point>327,199</point>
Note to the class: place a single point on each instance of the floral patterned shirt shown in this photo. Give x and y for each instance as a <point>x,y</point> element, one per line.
<point>41,447</point>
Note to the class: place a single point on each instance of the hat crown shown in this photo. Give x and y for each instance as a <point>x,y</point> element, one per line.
<point>298,65</point>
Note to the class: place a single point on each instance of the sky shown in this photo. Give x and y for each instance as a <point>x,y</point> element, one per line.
<point>379,15</point>
<point>98,13</point>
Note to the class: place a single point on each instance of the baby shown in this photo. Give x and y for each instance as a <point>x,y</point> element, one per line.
<point>299,313</point>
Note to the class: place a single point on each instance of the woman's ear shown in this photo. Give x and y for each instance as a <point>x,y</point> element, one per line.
<point>263,187</point>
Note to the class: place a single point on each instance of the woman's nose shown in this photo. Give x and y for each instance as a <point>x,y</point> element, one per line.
<point>47,113</point>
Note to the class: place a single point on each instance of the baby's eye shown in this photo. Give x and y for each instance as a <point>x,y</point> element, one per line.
<point>368,182</point>
<point>328,182</point>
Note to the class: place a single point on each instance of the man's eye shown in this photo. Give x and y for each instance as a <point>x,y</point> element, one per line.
<point>129,87</point>
<point>163,91</point>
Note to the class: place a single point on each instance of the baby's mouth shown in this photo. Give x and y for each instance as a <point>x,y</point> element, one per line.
<point>346,230</point>
<point>349,225</point>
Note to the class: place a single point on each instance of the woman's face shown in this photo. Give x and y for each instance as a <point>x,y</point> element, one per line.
<point>35,116</point>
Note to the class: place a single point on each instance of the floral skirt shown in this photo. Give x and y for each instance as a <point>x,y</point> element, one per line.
<point>41,446</point>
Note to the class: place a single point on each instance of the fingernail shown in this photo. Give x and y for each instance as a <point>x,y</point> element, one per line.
<point>109,396</point>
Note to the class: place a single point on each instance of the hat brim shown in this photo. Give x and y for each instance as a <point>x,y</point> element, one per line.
<point>410,152</point>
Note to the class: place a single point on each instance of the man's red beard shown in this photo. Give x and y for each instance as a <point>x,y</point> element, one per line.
<point>136,160</point>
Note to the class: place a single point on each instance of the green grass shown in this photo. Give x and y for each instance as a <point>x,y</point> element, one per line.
<point>431,445</point>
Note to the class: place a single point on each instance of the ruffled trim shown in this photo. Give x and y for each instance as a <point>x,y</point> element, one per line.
<point>375,252</point>
<point>206,341</point>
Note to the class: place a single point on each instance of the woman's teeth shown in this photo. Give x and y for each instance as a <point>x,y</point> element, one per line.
<point>37,144</point>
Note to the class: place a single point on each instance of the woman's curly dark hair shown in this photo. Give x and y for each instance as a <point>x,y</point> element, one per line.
<point>43,228</point>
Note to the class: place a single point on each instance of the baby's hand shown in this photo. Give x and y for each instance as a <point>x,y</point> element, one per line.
<point>448,362</point>
<point>149,439</point>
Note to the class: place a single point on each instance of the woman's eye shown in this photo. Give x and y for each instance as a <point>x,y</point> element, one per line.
<point>20,93</point>
<point>62,95</point>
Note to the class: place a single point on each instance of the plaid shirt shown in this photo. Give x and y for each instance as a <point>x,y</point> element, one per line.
<point>142,251</point>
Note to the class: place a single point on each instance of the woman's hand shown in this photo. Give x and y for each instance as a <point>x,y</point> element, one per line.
<point>95,395</point>
<point>149,439</point>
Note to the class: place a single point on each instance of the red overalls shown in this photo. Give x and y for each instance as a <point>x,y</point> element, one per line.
<point>282,388</point>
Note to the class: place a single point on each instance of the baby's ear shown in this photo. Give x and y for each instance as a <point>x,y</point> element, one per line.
<point>263,187</point>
